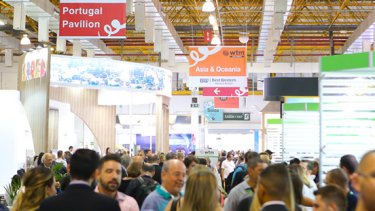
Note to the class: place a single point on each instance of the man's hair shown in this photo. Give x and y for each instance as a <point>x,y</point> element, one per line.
<point>83,164</point>
<point>338,177</point>
<point>332,194</point>
<point>59,153</point>
<point>109,157</point>
<point>294,161</point>
<point>148,167</point>
<point>70,147</point>
<point>275,180</point>
<point>349,162</point>
<point>229,154</point>
<point>146,151</point>
<point>153,158</point>
<point>189,159</point>
<point>180,155</point>
<point>170,156</point>
<point>253,159</point>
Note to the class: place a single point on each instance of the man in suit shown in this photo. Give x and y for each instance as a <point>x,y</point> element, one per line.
<point>79,195</point>
<point>274,192</point>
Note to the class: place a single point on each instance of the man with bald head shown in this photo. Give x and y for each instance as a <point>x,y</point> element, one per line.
<point>172,177</point>
<point>364,182</point>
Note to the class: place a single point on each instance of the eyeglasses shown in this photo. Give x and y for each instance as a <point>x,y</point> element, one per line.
<point>371,175</point>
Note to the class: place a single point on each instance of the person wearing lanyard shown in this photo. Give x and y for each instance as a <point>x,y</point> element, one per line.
<point>172,176</point>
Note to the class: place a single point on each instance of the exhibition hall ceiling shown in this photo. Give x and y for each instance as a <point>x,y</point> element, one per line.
<point>304,37</point>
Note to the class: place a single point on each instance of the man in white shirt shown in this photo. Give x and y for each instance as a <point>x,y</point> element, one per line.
<point>60,158</point>
<point>227,166</point>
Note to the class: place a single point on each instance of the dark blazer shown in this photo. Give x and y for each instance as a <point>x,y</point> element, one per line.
<point>79,197</point>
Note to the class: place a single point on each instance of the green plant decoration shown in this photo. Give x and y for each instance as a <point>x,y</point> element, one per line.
<point>12,189</point>
<point>58,171</point>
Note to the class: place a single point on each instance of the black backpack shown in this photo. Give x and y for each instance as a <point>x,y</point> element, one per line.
<point>144,188</point>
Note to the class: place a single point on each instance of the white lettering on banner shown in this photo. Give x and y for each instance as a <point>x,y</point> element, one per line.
<point>228,69</point>
<point>83,11</point>
<point>80,24</point>
<point>202,69</point>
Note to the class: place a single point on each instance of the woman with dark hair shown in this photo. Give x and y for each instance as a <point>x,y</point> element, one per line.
<point>40,158</point>
<point>37,184</point>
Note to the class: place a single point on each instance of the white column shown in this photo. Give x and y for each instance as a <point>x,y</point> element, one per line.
<point>8,57</point>
<point>19,16</point>
<point>139,18</point>
<point>366,46</point>
<point>172,58</point>
<point>60,44</point>
<point>149,30</point>
<point>77,48</point>
<point>158,40</point>
<point>195,127</point>
<point>164,50</point>
<point>162,123</point>
<point>43,29</point>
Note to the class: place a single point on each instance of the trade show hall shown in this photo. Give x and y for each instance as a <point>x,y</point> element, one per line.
<point>209,105</point>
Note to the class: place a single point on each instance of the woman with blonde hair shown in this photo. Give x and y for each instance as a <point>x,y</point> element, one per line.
<point>201,192</point>
<point>37,184</point>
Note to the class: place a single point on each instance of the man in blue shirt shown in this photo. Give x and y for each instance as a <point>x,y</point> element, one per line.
<point>172,176</point>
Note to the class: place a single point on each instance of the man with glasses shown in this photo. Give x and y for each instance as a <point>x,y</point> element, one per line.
<point>364,182</point>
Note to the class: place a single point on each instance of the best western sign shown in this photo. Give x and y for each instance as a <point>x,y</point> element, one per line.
<point>92,18</point>
<point>237,116</point>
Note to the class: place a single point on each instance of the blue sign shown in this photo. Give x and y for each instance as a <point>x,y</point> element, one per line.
<point>211,113</point>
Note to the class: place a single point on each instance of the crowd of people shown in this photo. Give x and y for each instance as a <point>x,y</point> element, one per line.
<point>174,181</point>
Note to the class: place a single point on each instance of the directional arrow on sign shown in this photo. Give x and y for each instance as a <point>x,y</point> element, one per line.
<point>217,91</point>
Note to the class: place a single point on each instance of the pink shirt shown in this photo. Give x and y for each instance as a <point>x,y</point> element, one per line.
<point>126,203</point>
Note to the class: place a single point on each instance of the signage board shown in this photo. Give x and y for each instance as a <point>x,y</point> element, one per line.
<point>194,105</point>
<point>226,102</point>
<point>104,73</point>
<point>225,91</point>
<point>237,116</point>
<point>35,64</point>
<point>211,113</point>
<point>217,66</point>
<point>92,19</point>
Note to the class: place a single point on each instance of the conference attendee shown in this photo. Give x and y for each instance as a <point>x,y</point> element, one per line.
<point>79,195</point>
<point>143,185</point>
<point>71,149</point>
<point>190,161</point>
<point>246,188</point>
<point>364,182</point>
<point>338,177</point>
<point>172,175</point>
<point>37,184</point>
<point>227,167</point>
<point>274,190</point>
<point>47,160</point>
<point>201,192</point>
<point>133,171</point>
<point>270,153</point>
<point>60,158</point>
<point>329,198</point>
<point>109,178</point>
<point>154,160</point>
<point>349,164</point>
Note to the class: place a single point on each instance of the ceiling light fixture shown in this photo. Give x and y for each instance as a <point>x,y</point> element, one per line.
<point>212,19</point>
<point>208,6</point>
<point>25,40</point>
<point>215,40</point>
<point>244,37</point>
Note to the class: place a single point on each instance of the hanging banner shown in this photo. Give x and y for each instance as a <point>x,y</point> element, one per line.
<point>217,66</point>
<point>226,102</point>
<point>211,113</point>
<point>92,19</point>
<point>35,64</point>
<point>207,35</point>
<point>225,91</point>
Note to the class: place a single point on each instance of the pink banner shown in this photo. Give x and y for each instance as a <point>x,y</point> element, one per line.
<point>225,91</point>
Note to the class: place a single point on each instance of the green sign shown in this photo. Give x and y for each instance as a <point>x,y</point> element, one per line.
<point>237,116</point>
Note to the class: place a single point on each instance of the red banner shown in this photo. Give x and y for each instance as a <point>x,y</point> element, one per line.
<point>207,35</point>
<point>93,19</point>
<point>226,102</point>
